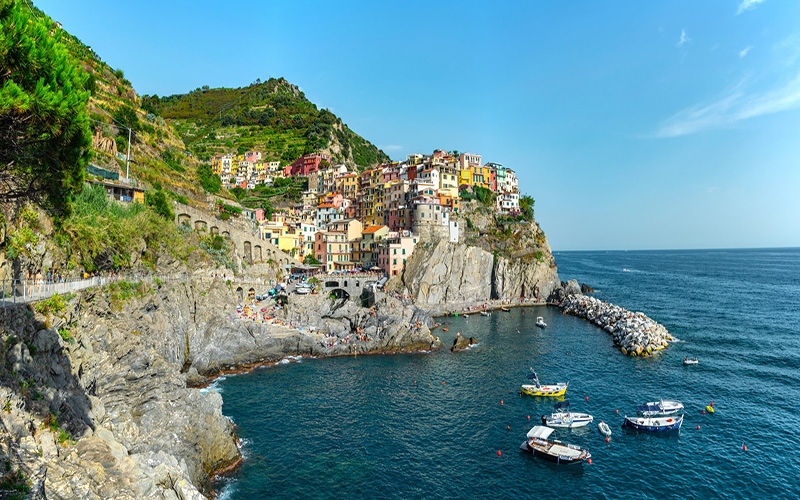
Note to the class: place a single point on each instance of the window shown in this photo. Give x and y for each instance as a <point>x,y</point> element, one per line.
<point>394,261</point>
<point>404,251</point>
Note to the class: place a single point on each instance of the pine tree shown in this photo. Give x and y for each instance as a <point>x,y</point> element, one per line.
<point>45,138</point>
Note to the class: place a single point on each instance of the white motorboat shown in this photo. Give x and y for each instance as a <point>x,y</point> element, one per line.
<point>661,407</point>
<point>540,322</point>
<point>302,289</point>
<point>688,361</point>
<point>566,419</point>
<point>604,428</point>
<point>484,313</point>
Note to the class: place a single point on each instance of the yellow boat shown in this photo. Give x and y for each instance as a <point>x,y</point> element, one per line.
<point>552,390</point>
<point>710,409</point>
<point>549,390</point>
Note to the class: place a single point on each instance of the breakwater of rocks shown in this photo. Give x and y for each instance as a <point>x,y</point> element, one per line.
<point>633,332</point>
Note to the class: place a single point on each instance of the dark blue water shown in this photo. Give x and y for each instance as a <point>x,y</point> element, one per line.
<point>430,425</point>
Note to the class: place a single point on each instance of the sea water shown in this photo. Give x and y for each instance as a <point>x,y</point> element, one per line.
<point>431,425</point>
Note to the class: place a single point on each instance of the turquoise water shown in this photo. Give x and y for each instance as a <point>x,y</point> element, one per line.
<point>362,428</point>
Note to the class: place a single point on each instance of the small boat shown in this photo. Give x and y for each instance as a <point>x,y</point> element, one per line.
<point>484,313</point>
<point>540,322</point>
<point>505,309</point>
<point>653,424</point>
<point>662,407</point>
<point>549,390</point>
<point>710,409</point>
<point>552,451</point>
<point>566,419</point>
<point>604,428</point>
<point>688,361</point>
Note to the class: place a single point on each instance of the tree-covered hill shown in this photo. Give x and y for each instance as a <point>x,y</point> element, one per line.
<point>273,117</point>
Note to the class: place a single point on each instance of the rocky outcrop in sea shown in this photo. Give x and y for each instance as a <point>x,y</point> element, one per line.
<point>633,332</point>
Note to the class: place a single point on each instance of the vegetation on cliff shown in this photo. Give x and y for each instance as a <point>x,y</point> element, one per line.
<point>273,117</point>
<point>44,130</point>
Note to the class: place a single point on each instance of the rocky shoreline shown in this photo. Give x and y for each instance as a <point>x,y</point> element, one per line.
<point>634,333</point>
<point>101,398</point>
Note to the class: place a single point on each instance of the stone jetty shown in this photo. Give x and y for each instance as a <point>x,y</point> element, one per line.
<point>633,332</point>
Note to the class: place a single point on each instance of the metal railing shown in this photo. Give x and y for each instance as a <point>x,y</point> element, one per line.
<point>24,291</point>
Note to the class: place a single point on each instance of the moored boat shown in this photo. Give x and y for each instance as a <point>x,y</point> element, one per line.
<point>604,428</point>
<point>661,407</point>
<point>653,424</point>
<point>505,309</point>
<point>566,419</point>
<point>549,390</point>
<point>484,313</point>
<point>552,451</point>
<point>688,361</point>
<point>540,322</point>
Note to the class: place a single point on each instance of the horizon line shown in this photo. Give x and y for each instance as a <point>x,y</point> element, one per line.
<point>679,249</point>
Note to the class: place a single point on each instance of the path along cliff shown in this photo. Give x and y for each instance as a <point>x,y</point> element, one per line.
<point>97,395</point>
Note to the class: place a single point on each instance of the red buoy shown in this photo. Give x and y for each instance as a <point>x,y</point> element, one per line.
<point>590,461</point>
<point>704,412</point>
<point>501,401</point>
<point>508,427</point>
<point>498,453</point>
<point>744,447</point>
<point>587,398</point>
<point>529,417</point>
<point>607,440</point>
<point>616,411</point>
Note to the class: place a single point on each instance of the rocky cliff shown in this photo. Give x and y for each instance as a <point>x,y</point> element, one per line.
<point>97,403</point>
<point>511,263</point>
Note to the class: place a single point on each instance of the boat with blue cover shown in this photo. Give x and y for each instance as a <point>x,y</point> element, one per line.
<point>653,424</point>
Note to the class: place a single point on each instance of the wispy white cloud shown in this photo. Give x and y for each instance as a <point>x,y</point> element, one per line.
<point>684,38</point>
<point>737,105</point>
<point>745,51</point>
<point>391,147</point>
<point>747,5</point>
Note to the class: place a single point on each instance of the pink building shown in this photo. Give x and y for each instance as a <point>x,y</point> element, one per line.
<point>394,251</point>
<point>259,214</point>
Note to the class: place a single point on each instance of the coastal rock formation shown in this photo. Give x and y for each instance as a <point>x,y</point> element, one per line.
<point>633,332</point>
<point>96,397</point>
<point>461,342</point>
<point>440,272</point>
<point>586,288</point>
<point>515,278</point>
<point>446,277</point>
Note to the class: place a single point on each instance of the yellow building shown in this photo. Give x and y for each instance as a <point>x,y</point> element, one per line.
<point>465,177</point>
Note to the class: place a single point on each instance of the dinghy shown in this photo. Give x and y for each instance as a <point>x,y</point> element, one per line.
<point>604,428</point>
<point>540,322</point>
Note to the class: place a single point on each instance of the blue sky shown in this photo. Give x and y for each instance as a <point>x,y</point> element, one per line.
<point>634,125</point>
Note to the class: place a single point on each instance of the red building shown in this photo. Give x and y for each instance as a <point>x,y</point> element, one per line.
<point>305,165</point>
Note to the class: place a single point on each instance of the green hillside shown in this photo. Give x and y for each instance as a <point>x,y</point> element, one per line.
<point>273,117</point>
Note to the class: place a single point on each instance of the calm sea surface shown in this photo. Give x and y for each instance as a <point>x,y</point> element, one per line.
<point>430,425</point>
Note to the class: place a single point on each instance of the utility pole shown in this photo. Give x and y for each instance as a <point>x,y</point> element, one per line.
<point>128,159</point>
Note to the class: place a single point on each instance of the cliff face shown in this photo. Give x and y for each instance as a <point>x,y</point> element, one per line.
<point>440,272</point>
<point>446,276</point>
<point>112,371</point>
